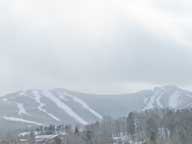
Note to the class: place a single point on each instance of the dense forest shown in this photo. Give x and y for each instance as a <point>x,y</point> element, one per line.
<point>159,126</point>
<point>150,127</point>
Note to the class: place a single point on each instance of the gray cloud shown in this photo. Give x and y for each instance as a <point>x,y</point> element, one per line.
<point>153,59</point>
<point>101,49</point>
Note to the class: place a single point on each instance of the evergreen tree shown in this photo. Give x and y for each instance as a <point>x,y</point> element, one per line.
<point>131,125</point>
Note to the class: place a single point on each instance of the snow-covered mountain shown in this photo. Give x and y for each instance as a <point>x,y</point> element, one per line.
<point>168,97</point>
<point>42,107</point>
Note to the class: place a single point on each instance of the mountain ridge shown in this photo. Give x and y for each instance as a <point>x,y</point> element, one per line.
<point>36,107</point>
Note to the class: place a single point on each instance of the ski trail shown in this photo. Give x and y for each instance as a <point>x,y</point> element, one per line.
<point>21,120</point>
<point>85,105</point>
<point>154,100</point>
<point>173,100</point>
<point>64,107</point>
<point>22,110</point>
<point>41,106</point>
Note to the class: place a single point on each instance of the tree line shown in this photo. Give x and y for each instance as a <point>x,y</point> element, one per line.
<point>157,126</point>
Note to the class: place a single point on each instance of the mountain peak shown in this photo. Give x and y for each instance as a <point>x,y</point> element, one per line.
<point>169,88</point>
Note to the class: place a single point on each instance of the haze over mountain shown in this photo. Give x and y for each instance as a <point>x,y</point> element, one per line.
<point>93,46</point>
<point>42,107</point>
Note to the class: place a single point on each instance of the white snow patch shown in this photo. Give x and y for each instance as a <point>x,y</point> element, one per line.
<point>65,107</point>
<point>174,99</point>
<point>20,120</point>
<point>22,110</point>
<point>85,105</point>
<point>42,105</point>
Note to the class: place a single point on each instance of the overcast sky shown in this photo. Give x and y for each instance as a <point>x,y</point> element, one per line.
<point>98,46</point>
